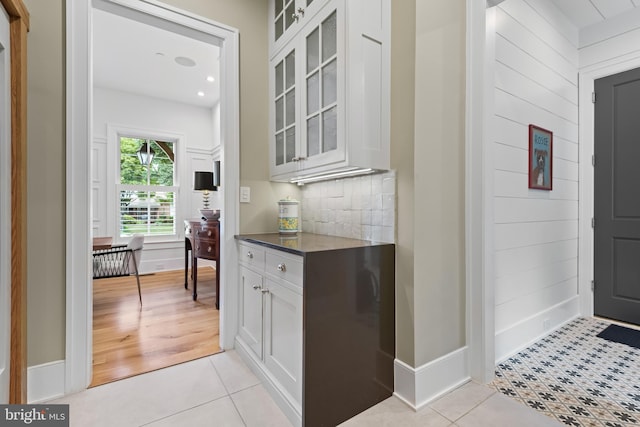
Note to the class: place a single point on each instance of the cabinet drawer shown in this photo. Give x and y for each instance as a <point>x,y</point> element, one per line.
<point>203,231</point>
<point>205,248</point>
<point>284,266</point>
<point>251,255</point>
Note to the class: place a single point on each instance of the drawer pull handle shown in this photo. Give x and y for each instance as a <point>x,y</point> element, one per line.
<point>250,255</point>
<point>282,267</point>
<point>256,287</point>
<point>209,249</point>
<point>209,233</point>
<point>264,291</point>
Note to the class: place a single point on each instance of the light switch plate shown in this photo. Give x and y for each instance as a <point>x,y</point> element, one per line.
<point>245,194</point>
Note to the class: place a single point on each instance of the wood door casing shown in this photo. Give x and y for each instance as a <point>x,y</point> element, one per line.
<point>19,26</point>
<point>616,197</point>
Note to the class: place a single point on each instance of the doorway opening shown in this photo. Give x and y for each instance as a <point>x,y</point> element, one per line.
<point>164,253</point>
<point>587,79</point>
<point>616,207</point>
<point>158,91</point>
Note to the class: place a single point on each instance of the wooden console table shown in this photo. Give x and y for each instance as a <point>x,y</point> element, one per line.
<point>202,238</point>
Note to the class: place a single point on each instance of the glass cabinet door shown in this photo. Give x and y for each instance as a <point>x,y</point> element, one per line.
<point>321,86</point>
<point>285,109</point>
<point>284,16</point>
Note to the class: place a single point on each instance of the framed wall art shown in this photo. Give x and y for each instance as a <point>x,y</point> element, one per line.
<point>540,158</point>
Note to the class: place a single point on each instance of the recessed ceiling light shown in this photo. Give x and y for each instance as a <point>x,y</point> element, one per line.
<point>201,93</point>
<point>210,79</point>
<point>184,61</point>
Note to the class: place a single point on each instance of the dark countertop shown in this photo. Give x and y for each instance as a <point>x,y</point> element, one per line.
<point>303,243</point>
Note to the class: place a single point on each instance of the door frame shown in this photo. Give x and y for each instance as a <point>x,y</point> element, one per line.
<point>5,210</point>
<point>587,76</point>
<point>79,98</point>
<point>18,28</point>
<point>479,290</point>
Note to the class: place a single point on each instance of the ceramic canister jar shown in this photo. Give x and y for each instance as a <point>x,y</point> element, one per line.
<point>288,216</point>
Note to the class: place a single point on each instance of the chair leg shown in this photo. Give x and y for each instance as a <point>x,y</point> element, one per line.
<point>139,293</point>
<point>135,265</point>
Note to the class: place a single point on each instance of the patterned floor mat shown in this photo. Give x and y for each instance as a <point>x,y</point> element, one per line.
<point>575,377</point>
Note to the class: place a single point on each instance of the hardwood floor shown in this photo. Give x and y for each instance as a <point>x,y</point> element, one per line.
<point>168,329</point>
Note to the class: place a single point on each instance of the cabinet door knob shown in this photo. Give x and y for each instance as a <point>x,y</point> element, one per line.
<point>209,249</point>
<point>250,255</point>
<point>299,14</point>
<point>256,287</point>
<point>198,248</point>
<point>264,291</point>
<point>209,233</point>
<point>282,267</point>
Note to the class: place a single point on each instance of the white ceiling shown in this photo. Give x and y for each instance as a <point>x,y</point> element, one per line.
<point>588,12</point>
<point>140,58</point>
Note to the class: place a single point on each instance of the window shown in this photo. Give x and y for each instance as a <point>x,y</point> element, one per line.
<point>147,187</point>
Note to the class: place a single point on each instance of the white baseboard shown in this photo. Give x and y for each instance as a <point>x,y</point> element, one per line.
<point>46,381</point>
<point>521,335</point>
<point>419,386</point>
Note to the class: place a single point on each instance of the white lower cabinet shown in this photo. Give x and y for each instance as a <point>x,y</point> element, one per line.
<point>270,321</point>
<point>316,325</point>
<point>251,310</point>
<point>282,336</point>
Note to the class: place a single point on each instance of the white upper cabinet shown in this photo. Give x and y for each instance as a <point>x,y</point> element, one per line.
<point>286,17</point>
<point>329,86</point>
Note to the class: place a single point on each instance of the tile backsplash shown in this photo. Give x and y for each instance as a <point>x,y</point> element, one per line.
<point>362,207</point>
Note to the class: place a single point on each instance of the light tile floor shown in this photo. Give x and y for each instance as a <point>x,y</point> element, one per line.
<point>220,390</point>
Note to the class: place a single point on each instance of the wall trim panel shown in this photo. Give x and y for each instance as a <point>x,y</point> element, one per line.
<point>46,381</point>
<point>417,387</point>
<point>511,340</point>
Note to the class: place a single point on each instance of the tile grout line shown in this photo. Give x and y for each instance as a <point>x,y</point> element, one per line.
<point>185,410</point>
<point>467,412</point>
<point>227,390</point>
<point>203,403</point>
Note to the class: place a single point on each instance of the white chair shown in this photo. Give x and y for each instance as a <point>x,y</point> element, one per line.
<point>119,261</point>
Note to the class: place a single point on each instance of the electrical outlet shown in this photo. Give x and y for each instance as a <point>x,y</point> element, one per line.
<point>245,194</point>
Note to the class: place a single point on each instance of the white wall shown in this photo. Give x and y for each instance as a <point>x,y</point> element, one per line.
<point>616,38</point>
<point>196,127</point>
<point>535,232</point>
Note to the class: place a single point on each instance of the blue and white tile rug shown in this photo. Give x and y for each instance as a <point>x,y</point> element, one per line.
<point>575,377</point>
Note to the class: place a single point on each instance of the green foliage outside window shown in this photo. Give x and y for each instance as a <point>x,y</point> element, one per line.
<point>143,211</point>
<point>159,172</point>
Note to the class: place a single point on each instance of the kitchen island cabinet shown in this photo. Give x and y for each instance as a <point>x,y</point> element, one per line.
<point>316,322</point>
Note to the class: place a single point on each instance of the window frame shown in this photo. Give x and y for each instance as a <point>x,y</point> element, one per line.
<point>114,133</point>
<point>146,187</point>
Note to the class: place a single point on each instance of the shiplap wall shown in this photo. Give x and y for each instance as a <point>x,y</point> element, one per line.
<point>617,37</point>
<point>535,232</point>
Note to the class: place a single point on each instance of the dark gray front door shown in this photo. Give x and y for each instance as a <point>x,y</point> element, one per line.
<point>617,197</point>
